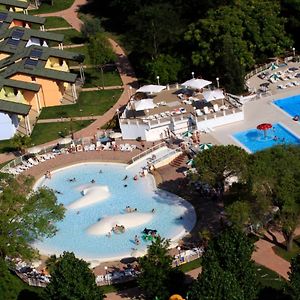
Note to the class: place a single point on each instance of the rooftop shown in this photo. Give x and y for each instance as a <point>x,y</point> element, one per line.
<point>15,3</point>
<point>8,17</point>
<point>14,107</point>
<point>19,84</point>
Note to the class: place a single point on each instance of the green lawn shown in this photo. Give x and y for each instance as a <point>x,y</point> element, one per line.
<point>45,132</point>
<point>194,264</point>
<point>89,103</point>
<point>93,78</point>
<point>53,22</point>
<point>71,36</point>
<point>47,8</point>
<point>269,278</point>
<point>289,255</point>
<point>82,50</point>
<point>5,146</point>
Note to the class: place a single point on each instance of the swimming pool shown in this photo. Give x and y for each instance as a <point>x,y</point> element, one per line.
<point>290,105</point>
<point>254,140</point>
<point>78,232</point>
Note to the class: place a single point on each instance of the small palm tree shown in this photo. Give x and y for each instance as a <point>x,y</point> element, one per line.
<point>21,142</point>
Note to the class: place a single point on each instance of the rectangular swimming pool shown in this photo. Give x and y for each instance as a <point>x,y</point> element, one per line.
<point>255,140</point>
<point>290,105</point>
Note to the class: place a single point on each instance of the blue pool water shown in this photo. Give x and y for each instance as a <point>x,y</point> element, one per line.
<point>290,105</point>
<point>255,140</point>
<point>141,194</point>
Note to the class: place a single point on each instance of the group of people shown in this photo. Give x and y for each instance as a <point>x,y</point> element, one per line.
<point>118,228</point>
<point>129,209</point>
<point>48,175</point>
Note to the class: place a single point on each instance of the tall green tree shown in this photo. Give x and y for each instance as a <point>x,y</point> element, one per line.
<point>100,52</point>
<point>156,268</point>
<point>164,66</point>
<point>91,26</point>
<point>72,279</point>
<point>293,286</point>
<point>228,271</point>
<point>274,181</point>
<point>26,215</point>
<point>218,163</point>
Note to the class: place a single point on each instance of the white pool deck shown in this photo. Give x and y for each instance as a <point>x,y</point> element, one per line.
<point>260,111</point>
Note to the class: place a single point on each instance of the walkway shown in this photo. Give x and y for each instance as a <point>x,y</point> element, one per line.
<point>130,82</point>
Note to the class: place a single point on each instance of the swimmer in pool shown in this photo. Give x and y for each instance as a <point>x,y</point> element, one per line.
<point>125,177</point>
<point>100,172</point>
<point>93,181</point>
<point>125,185</point>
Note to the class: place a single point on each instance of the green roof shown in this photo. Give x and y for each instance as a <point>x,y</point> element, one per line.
<point>22,85</point>
<point>23,17</point>
<point>15,3</point>
<point>14,107</point>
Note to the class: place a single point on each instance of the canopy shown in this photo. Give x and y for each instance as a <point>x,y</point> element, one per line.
<point>144,104</point>
<point>213,95</point>
<point>151,88</point>
<point>264,126</point>
<point>66,140</point>
<point>196,83</point>
<point>34,150</point>
<point>205,146</point>
<point>115,135</point>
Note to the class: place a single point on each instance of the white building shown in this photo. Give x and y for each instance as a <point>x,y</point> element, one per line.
<point>173,111</point>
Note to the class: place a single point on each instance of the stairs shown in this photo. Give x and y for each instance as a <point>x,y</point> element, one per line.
<point>178,161</point>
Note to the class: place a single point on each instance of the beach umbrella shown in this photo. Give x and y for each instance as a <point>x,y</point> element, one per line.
<point>213,95</point>
<point>190,162</point>
<point>187,134</point>
<point>205,146</point>
<point>273,66</point>
<point>115,135</point>
<point>34,150</point>
<point>65,141</point>
<point>264,127</point>
<point>151,88</point>
<point>196,83</point>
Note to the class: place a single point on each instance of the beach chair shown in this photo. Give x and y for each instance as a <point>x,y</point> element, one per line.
<point>216,107</point>
<point>32,161</point>
<point>206,110</point>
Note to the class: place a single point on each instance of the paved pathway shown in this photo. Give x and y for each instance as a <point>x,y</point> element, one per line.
<point>59,28</point>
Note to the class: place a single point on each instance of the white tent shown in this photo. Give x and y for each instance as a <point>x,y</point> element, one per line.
<point>151,88</point>
<point>196,83</point>
<point>213,95</point>
<point>144,104</point>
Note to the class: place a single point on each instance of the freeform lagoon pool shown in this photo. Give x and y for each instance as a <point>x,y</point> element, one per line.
<point>290,105</point>
<point>255,140</point>
<point>86,224</point>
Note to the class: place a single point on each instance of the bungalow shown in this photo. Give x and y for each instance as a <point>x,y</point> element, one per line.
<point>14,5</point>
<point>13,19</point>
<point>46,67</point>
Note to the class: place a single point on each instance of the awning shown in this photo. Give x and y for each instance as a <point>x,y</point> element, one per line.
<point>14,107</point>
<point>144,104</point>
<point>151,88</point>
<point>213,95</point>
<point>196,83</point>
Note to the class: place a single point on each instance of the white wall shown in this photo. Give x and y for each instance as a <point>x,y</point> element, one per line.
<point>219,121</point>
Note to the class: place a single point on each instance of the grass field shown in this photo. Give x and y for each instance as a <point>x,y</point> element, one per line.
<point>53,22</point>
<point>71,36</point>
<point>47,8</point>
<point>93,78</point>
<point>280,251</point>
<point>82,50</point>
<point>89,103</point>
<point>46,132</point>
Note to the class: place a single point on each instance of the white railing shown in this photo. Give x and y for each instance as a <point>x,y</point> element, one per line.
<point>144,153</point>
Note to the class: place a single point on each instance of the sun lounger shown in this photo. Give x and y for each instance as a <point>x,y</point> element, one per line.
<point>289,84</point>
<point>40,158</point>
<point>295,83</point>
<point>32,161</point>
<point>199,112</point>
<point>206,110</point>
<point>216,107</point>
<point>86,148</point>
<point>280,86</point>
<point>92,147</point>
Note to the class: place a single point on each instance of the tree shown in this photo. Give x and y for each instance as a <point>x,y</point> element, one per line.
<point>218,163</point>
<point>26,215</point>
<point>244,32</point>
<point>228,271</point>
<point>274,182</point>
<point>71,279</point>
<point>166,66</point>
<point>100,52</point>
<point>293,287</point>
<point>239,213</point>
<point>91,26</point>
<point>21,142</point>
<point>155,267</point>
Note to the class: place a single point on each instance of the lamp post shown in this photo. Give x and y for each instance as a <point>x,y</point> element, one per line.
<point>130,90</point>
<point>193,75</point>
<point>218,82</point>
<point>157,77</point>
<point>294,51</point>
<point>178,248</point>
<point>81,115</point>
